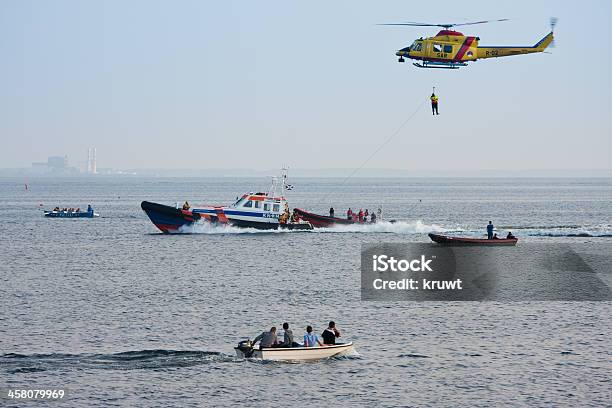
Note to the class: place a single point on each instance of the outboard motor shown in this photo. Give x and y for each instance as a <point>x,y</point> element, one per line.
<point>246,347</point>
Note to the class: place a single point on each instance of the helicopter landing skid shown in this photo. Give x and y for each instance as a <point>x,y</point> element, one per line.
<point>443,65</point>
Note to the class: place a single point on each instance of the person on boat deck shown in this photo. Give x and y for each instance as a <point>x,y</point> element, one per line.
<point>360,215</point>
<point>331,211</point>
<point>510,236</point>
<point>490,228</point>
<point>349,214</point>
<point>282,219</point>
<point>329,335</point>
<point>186,206</point>
<point>266,339</point>
<point>89,209</point>
<point>295,217</point>
<point>434,104</point>
<point>365,214</point>
<point>495,236</point>
<point>288,337</point>
<point>372,218</point>
<point>311,339</point>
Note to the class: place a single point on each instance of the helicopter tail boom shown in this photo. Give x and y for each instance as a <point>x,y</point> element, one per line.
<point>506,51</point>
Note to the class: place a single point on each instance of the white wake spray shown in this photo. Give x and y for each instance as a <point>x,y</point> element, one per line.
<point>398,227</point>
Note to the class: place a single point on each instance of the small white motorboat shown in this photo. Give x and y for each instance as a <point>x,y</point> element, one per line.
<point>246,350</point>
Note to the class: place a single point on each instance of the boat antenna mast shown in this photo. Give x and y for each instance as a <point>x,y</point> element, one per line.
<point>284,170</point>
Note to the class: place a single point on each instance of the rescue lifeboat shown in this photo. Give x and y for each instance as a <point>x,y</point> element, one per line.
<point>252,210</point>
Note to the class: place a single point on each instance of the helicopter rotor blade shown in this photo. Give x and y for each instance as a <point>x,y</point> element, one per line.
<point>481,22</point>
<point>416,24</point>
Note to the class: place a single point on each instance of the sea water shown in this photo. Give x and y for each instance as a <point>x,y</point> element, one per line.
<point>120,315</point>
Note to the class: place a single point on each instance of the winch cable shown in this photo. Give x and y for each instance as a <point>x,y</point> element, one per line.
<point>379,148</point>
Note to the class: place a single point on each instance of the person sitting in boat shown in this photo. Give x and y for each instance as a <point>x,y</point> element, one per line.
<point>186,206</point>
<point>78,209</point>
<point>331,212</point>
<point>365,214</point>
<point>288,337</point>
<point>495,236</point>
<point>56,209</point>
<point>267,339</point>
<point>349,214</point>
<point>295,217</point>
<point>372,218</point>
<point>510,236</point>
<point>311,339</point>
<point>329,335</point>
<point>360,215</point>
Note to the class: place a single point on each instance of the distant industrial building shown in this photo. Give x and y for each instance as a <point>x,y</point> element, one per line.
<point>57,165</point>
<point>91,161</point>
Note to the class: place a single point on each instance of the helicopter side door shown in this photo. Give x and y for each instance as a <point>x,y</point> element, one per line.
<point>441,50</point>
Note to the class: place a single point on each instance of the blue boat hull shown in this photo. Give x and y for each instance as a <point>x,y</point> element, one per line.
<point>65,214</point>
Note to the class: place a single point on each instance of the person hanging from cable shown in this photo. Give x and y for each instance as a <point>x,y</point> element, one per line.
<point>434,103</point>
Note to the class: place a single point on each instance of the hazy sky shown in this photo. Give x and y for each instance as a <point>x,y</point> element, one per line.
<point>258,84</point>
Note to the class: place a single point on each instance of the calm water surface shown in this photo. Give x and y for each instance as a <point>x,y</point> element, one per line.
<point>120,315</point>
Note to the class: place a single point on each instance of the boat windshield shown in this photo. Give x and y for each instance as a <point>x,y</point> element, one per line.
<point>239,201</point>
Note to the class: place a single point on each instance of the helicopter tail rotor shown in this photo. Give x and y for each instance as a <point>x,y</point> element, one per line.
<point>553,23</point>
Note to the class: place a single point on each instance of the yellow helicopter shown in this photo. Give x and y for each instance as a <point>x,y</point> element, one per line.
<point>451,49</point>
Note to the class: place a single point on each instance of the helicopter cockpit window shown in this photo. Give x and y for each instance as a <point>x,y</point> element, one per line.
<point>437,47</point>
<point>416,46</point>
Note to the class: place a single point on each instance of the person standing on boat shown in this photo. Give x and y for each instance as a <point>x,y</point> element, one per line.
<point>311,339</point>
<point>349,214</point>
<point>373,218</point>
<point>329,335</point>
<point>89,209</point>
<point>331,212</point>
<point>266,339</point>
<point>490,228</point>
<point>360,215</point>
